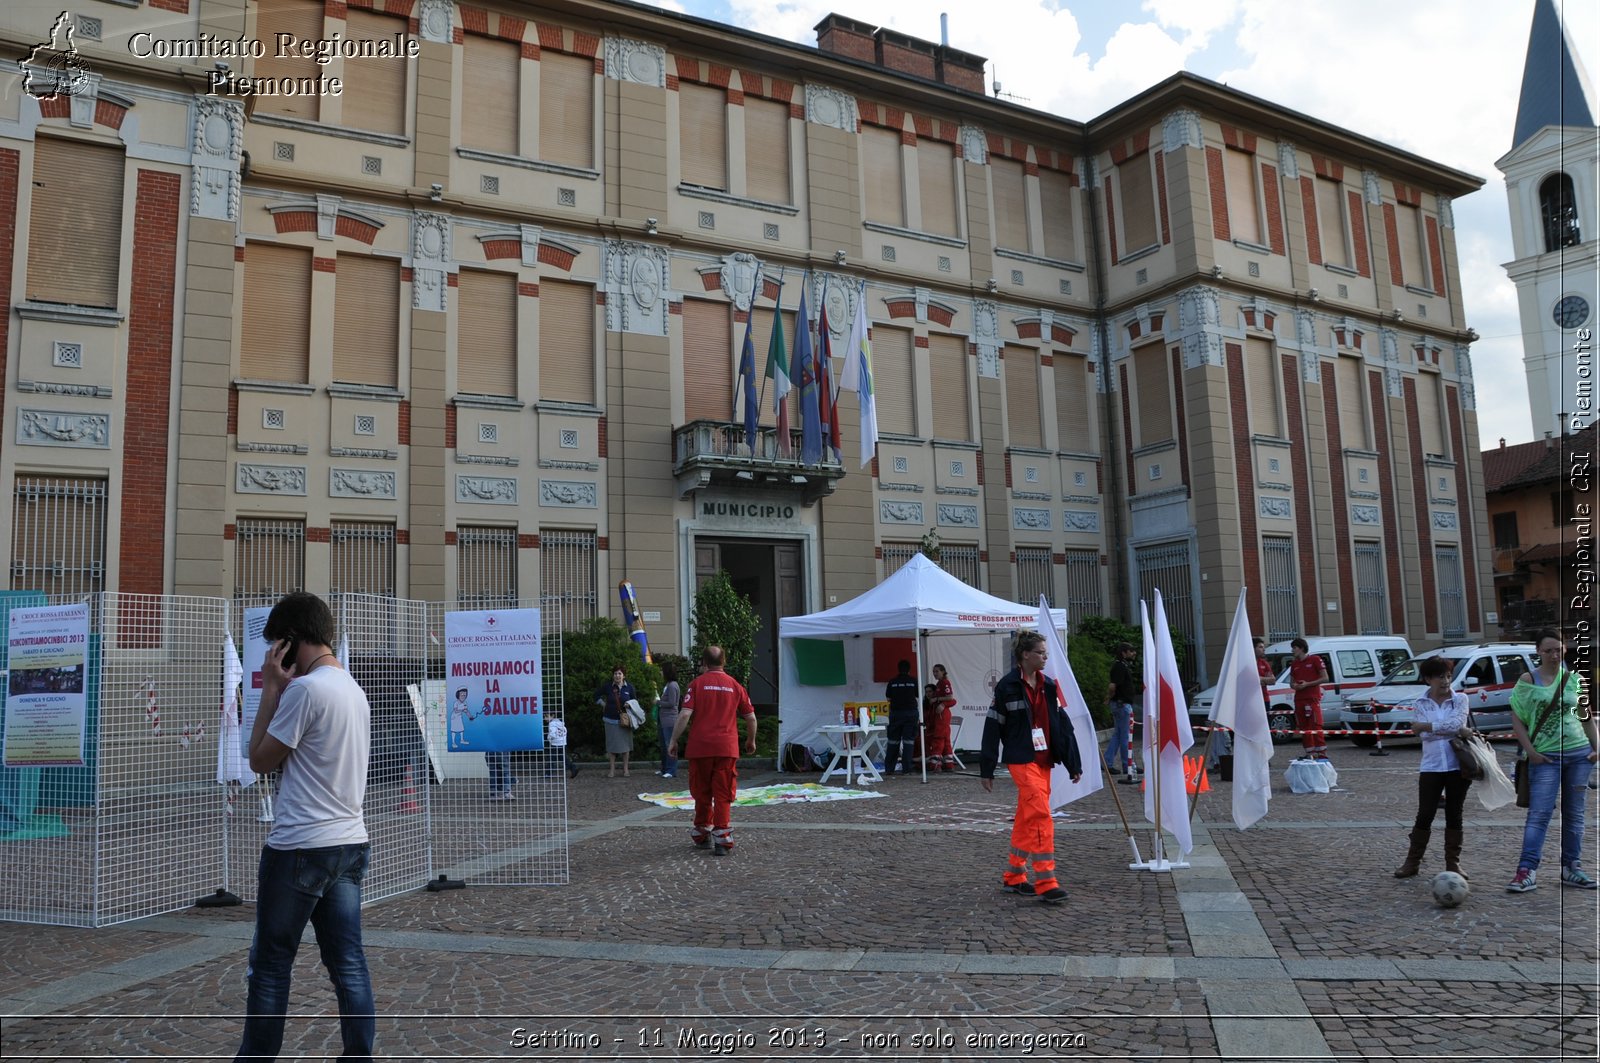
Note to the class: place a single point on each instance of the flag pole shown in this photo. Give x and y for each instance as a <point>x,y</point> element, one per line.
<point>1126,826</point>
<point>1211,732</point>
<point>1157,857</point>
<point>777,309</point>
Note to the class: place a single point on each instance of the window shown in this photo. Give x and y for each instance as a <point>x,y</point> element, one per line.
<point>961,561</point>
<point>1372,600</point>
<point>486,333</point>
<point>1074,385</point>
<point>566,343</point>
<point>892,381</point>
<point>1009,189</point>
<point>1331,228</point>
<point>1389,660</point>
<point>1244,218</point>
<point>895,555</point>
<point>1022,396</point>
<point>1153,390</point>
<point>366,322</point>
<point>1408,231</point>
<point>766,150</point>
<point>374,95</point>
<point>1430,424</point>
<point>703,135</point>
<point>486,567</point>
<point>269,558</point>
<point>1083,586</point>
<point>566,109</point>
<point>1351,396</point>
<point>1354,664</point>
<point>361,558</point>
<point>1282,587</point>
<point>567,574</point>
<point>1266,416</point>
<point>882,175</point>
<point>1033,575</point>
<point>302,20</point>
<point>58,535</point>
<point>1512,666</point>
<point>1452,600</point>
<point>1137,201</point>
<point>1055,202</point>
<point>936,180</point>
<point>1170,567</point>
<point>75,224</point>
<point>275,334</point>
<point>1558,210</point>
<point>1505,531</point>
<point>1479,673</point>
<point>947,362</point>
<point>491,86</point>
<point>708,362</point>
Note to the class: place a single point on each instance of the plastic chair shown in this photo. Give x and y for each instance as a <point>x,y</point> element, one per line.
<point>955,732</point>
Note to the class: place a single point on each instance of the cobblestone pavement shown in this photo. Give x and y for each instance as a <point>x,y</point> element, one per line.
<point>875,929</point>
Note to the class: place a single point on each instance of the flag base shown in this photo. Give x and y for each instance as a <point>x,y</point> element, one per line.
<point>1159,865</point>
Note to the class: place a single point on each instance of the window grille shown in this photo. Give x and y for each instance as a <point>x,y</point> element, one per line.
<point>1033,575</point>
<point>1083,586</point>
<point>567,574</point>
<point>58,539</point>
<point>895,555</point>
<point>1169,567</point>
<point>362,558</point>
<point>1283,597</point>
<point>269,558</point>
<point>1452,601</point>
<point>962,563</point>
<point>1372,601</point>
<point>486,567</point>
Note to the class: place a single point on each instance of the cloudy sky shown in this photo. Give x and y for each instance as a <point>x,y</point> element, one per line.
<point>1436,77</point>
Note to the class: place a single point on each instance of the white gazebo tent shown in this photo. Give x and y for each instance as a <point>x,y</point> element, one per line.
<point>919,601</point>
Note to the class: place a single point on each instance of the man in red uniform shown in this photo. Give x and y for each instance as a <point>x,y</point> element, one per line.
<point>1306,675</point>
<point>717,700</point>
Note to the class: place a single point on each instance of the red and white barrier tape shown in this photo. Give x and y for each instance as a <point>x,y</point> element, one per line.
<point>152,711</point>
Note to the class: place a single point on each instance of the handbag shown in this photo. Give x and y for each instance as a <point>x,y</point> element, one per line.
<point>1470,754</point>
<point>1524,776</point>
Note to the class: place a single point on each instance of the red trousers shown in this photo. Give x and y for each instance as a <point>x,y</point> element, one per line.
<point>936,737</point>
<point>1308,718</point>
<point>1033,832</point>
<point>713,783</point>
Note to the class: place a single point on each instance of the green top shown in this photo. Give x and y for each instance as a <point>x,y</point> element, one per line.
<point>1563,731</point>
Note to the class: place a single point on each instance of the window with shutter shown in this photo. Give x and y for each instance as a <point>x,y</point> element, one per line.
<point>566,343</point>
<point>275,333</point>
<point>766,150</point>
<point>882,169</point>
<point>1154,393</point>
<point>1074,387</point>
<point>566,109</point>
<point>486,333</point>
<point>1266,415</point>
<point>75,225</point>
<point>1352,403</point>
<point>708,361</point>
<point>1332,232</point>
<point>1137,202</point>
<point>893,390</point>
<point>374,96</point>
<point>1429,420</point>
<point>936,179</point>
<point>366,322</point>
<point>947,364</point>
<point>1408,228</point>
<point>1022,396</point>
<point>301,19</point>
<point>1244,216</point>
<point>1055,200</point>
<point>703,135</point>
<point>491,79</point>
<point>1009,190</point>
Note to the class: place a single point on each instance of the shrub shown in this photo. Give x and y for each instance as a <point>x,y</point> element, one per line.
<point>588,657</point>
<point>1091,665</point>
<point>721,616</point>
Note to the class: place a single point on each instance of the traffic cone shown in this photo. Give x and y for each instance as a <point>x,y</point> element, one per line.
<point>408,795</point>
<point>1194,776</point>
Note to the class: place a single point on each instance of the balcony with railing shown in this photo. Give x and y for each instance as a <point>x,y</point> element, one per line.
<point>714,454</point>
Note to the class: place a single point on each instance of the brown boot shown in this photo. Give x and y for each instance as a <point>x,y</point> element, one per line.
<point>1413,862</point>
<point>1452,852</point>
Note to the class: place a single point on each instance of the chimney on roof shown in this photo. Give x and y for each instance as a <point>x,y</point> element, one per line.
<point>901,53</point>
<point>1502,442</point>
<point>1548,442</point>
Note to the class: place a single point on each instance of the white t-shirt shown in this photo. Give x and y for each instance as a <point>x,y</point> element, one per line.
<point>325,720</point>
<point>558,733</point>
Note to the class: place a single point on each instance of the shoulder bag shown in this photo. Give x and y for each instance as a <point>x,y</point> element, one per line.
<point>1524,779</point>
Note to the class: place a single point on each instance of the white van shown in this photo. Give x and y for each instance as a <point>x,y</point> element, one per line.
<point>1355,663</point>
<point>1484,673</point>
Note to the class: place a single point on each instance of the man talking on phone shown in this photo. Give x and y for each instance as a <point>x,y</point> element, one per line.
<point>314,723</point>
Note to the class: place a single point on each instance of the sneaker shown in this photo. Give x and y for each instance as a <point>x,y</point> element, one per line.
<point>1021,889</point>
<point>669,775</point>
<point>1572,875</point>
<point>1053,896</point>
<point>721,850</point>
<point>701,843</point>
<point>1526,879</point>
<point>1113,771</point>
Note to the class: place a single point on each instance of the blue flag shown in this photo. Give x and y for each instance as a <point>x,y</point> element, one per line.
<point>747,376</point>
<point>804,363</point>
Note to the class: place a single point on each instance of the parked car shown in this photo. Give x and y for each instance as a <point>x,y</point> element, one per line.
<point>1354,662</point>
<point>1484,673</point>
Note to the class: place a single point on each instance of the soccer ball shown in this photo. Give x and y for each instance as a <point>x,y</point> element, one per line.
<point>1449,889</point>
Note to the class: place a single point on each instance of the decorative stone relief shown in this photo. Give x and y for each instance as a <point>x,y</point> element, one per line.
<point>1446,521</point>
<point>958,516</point>
<point>360,483</point>
<point>1199,315</point>
<point>327,215</point>
<point>974,144</point>
<point>491,490</point>
<point>1305,327</point>
<point>269,479</point>
<point>741,273</point>
<point>218,139</point>
<point>1030,519</point>
<point>434,20</point>
<point>900,512</point>
<point>986,334</point>
<point>921,297</point>
<point>832,108</point>
<point>1469,390</point>
<point>636,61</point>
<point>1078,520</point>
<point>839,295</point>
<point>1390,342</point>
<point>1365,515</point>
<point>50,428</point>
<point>1371,188</point>
<point>1447,212</point>
<point>636,288</point>
<point>1181,129</point>
<point>1272,506</point>
<point>578,493</point>
<point>1288,161</point>
<point>430,260</point>
<point>530,236</point>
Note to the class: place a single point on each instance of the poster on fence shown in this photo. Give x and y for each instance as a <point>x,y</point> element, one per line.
<point>492,680</point>
<point>45,703</point>
<point>255,656</point>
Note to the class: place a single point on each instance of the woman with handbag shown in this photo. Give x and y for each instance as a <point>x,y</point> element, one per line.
<point>1441,714</point>
<point>1561,752</point>
<point>613,700</point>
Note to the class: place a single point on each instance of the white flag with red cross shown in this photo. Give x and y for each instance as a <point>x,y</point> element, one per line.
<point>1166,730</point>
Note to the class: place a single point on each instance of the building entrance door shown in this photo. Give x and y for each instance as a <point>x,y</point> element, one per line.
<point>767,571</point>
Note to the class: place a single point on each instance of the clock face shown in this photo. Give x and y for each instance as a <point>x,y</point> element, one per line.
<point>1571,312</point>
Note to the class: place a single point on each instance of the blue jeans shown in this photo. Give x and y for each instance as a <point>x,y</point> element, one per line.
<point>1568,774</point>
<point>500,779</point>
<point>322,887</point>
<point>665,722</point>
<point>1116,755</point>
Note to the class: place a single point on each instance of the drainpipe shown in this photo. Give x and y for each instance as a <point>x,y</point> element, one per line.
<point>1108,434</point>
